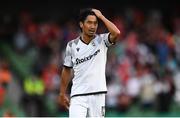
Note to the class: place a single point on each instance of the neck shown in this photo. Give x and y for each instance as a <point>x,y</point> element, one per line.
<point>87,39</point>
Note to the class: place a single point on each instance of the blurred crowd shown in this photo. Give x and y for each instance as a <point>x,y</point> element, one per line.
<point>143,68</point>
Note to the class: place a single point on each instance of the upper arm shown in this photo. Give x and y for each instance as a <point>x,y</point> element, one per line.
<point>106,39</point>
<point>67,72</point>
<point>112,38</point>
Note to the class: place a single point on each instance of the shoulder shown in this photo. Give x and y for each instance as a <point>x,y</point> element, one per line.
<point>73,42</point>
<point>101,37</point>
<point>104,35</point>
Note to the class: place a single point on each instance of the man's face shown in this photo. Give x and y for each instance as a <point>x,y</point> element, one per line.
<point>89,26</point>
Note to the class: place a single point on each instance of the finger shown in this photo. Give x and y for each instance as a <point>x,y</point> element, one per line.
<point>67,106</point>
<point>94,10</point>
<point>67,102</point>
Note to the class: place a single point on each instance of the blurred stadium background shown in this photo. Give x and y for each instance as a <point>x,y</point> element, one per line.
<point>143,68</point>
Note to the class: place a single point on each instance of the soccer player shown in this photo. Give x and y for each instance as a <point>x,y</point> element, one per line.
<point>86,56</point>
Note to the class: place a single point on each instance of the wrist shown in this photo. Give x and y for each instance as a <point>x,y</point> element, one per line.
<point>101,17</point>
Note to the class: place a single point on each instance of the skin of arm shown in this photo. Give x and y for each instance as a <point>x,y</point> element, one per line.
<point>66,77</point>
<point>114,31</point>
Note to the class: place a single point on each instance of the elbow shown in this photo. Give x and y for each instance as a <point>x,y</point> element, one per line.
<point>117,34</point>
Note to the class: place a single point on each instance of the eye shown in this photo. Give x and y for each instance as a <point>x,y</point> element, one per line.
<point>96,23</point>
<point>89,22</point>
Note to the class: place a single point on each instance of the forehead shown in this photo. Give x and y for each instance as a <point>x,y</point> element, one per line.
<point>91,18</point>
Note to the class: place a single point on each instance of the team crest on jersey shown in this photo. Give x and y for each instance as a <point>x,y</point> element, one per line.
<point>77,49</point>
<point>93,44</point>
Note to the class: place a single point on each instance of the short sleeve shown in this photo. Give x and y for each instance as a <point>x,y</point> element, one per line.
<point>106,39</point>
<point>68,56</point>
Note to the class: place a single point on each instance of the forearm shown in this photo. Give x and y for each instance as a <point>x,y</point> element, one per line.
<point>63,85</point>
<point>65,79</point>
<point>66,76</point>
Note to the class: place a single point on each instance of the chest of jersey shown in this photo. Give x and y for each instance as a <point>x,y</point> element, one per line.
<point>84,53</point>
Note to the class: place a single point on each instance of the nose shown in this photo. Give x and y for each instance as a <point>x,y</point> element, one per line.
<point>92,26</point>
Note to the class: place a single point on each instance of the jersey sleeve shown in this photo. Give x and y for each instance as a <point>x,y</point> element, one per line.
<point>68,56</point>
<point>106,39</point>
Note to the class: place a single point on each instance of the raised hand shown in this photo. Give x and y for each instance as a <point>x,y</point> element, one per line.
<point>98,13</point>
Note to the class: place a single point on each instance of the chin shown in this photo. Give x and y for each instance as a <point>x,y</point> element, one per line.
<point>91,35</point>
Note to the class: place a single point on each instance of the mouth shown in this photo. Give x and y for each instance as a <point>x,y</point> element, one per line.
<point>91,31</point>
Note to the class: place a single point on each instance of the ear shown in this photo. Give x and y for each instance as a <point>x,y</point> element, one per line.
<point>81,25</point>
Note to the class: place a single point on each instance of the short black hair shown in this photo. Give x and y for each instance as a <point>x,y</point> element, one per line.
<point>84,13</point>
